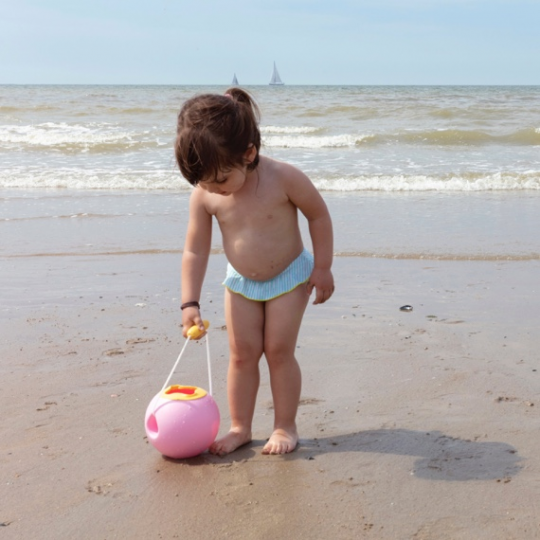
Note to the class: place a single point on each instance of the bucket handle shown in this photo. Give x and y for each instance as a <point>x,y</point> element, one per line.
<point>209,364</point>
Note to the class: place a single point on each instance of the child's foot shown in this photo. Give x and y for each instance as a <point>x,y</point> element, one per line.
<point>281,442</point>
<point>233,440</point>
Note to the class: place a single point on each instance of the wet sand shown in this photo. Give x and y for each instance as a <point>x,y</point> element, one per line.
<point>420,425</point>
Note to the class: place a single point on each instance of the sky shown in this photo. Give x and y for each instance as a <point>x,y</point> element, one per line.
<point>337,42</point>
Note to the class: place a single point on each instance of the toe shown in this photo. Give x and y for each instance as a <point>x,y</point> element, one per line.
<point>281,442</point>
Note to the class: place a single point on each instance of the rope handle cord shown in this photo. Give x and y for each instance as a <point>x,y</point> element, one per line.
<point>193,333</point>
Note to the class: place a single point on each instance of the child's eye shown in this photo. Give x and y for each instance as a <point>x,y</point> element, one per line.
<point>222,180</point>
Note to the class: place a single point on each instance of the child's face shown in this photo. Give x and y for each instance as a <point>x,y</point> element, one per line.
<point>229,180</point>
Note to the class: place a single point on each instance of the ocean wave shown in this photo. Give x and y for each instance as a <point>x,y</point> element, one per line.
<point>122,179</point>
<point>444,183</point>
<point>102,137</point>
<point>327,141</point>
<point>75,178</point>
<point>72,138</point>
<point>442,137</point>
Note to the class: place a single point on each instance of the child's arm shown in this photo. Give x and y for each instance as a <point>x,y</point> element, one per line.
<point>305,196</point>
<point>195,259</point>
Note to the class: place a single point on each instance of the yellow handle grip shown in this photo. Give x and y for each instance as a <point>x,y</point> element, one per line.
<point>195,332</point>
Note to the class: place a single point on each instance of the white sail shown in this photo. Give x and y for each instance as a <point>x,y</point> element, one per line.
<point>276,79</point>
<point>235,80</point>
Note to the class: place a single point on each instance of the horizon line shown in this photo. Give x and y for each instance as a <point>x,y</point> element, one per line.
<point>265,84</point>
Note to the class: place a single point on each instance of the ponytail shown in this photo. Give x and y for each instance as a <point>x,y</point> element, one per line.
<point>252,117</point>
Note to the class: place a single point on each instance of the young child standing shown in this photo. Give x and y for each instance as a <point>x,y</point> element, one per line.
<point>270,275</point>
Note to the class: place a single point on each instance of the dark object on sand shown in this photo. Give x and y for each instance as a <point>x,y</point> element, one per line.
<point>405,308</point>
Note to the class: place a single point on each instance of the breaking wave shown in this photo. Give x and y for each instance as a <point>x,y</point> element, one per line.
<point>163,179</point>
<point>446,137</point>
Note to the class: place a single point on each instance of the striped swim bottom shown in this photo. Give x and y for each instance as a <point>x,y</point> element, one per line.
<point>295,274</point>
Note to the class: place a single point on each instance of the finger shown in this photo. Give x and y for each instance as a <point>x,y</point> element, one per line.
<point>190,322</point>
<point>319,297</point>
<point>196,332</point>
<point>323,296</point>
<point>198,322</point>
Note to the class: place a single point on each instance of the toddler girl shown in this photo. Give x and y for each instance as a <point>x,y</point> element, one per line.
<point>270,275</point>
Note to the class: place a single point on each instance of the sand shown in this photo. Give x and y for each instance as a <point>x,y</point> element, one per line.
<point>420,425</point>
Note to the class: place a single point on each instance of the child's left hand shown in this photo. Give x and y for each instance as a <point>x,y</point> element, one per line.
<point>323,282</point>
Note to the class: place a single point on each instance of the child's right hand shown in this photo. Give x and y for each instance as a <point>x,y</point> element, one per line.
<point>191,316</point>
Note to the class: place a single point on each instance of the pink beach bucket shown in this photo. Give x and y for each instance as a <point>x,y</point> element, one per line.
<point>183,421</point>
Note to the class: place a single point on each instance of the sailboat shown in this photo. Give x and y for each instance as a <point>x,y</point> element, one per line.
<point>276,79</point>
<point>234,80</point>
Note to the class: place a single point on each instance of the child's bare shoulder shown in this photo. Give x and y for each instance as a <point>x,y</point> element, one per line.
<point>200,201</point>
<point>295,185</point>
<point>284,171</point>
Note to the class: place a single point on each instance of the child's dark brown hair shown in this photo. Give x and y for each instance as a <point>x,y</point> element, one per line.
<point>214,132</point>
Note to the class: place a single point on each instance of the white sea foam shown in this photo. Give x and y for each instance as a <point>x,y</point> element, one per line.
<point>488,182</point>
<point>121,179</point>
<point>56,134</point>
<point>77,137</point>
<point>328,141</point>
<point>74,178</point>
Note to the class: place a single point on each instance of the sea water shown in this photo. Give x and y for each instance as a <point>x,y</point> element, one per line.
<point>408,172</point>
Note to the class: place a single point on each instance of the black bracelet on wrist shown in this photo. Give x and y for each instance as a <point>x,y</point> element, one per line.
<point>193,303</point>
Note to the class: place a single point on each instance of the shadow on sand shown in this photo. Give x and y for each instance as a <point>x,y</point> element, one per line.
<point>440,457</point>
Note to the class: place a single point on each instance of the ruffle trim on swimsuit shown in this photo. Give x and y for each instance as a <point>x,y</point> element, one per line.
<point>295,274</point>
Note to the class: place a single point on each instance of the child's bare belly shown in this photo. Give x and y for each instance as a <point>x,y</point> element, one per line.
<point>261,261</point>
<point>260,231</point>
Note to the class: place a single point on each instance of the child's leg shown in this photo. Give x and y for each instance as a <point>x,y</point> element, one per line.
<point>245,323</point>
<point>283,317</point>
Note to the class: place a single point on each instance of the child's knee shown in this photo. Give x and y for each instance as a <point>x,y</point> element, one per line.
<point>278,353</point>
<point>245,358</point>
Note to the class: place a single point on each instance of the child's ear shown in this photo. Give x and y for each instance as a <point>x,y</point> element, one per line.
<point>250,154</point>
